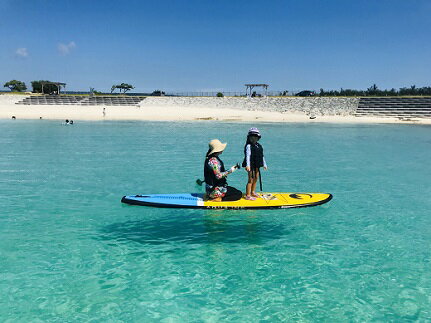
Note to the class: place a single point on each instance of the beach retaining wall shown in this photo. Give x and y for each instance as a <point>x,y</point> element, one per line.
<point>10,99</point>
<point>316,106</point>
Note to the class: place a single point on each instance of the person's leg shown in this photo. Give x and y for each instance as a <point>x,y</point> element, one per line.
<point>253,187</point>
<point>232,194</point>
<point>217,194</point>
<point>249,185</point>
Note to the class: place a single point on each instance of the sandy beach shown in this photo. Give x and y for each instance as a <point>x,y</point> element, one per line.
<point>178,114</point>
<point>157,112</point>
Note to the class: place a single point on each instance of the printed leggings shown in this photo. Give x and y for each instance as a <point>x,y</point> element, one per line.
<point>217,191</point>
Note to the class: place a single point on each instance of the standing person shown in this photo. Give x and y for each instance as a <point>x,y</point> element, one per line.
<point>253,161</point>
<point>215,175</point>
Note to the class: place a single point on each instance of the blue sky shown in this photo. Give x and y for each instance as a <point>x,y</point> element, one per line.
<point>211,45</point>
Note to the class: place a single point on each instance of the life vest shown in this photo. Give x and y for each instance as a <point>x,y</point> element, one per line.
<point>210,177</point>
<point>256,157</point>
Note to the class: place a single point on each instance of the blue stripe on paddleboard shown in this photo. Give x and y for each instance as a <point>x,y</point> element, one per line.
<point>185,199</point>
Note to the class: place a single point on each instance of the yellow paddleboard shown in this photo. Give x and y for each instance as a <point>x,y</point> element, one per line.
<point>278,200</point>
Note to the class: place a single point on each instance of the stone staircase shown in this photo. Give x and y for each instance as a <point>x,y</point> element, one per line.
<point>81,100</point>
<point>395,107</point>
<point>51,100</point>
<point>113,100</point>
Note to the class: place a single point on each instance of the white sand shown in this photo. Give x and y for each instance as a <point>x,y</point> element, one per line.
<point>174,113</point>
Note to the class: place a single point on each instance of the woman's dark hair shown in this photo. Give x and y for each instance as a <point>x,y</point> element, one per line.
<point>208,155</point>
<point>247,142</point>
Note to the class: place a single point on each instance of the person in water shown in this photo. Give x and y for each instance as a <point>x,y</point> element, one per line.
<point>215,175</point>
<point>253,161</point>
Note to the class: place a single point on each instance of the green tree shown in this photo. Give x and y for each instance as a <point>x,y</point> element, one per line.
<point>158,93</point>
<point>220,95</point>
<point>47,88</point>
<point>15,86</point>
<point>125,87</point>
<point>373,90</point>
<point>122,87</point>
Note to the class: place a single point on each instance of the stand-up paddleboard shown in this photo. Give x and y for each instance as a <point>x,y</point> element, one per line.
<point>196,200</point>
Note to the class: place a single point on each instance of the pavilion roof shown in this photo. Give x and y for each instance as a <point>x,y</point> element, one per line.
<point>54,83</point>
<point>264,85</point>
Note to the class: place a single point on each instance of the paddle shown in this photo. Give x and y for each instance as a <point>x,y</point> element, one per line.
<point>260,182</point>
<point>200,182</point>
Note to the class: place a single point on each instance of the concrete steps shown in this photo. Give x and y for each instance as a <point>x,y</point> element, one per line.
<point>112,101</point>
<point>81,100</point>
<point>50,100</point>
<point>419,107</point>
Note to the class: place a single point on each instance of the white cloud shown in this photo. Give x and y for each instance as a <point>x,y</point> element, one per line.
<point>21,52</point>
<point>64,49</point>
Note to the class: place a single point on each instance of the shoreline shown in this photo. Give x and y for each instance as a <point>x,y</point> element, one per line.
<point>180,113</point>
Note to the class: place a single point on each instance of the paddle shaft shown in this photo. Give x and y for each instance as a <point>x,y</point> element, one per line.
<point>260,181</point>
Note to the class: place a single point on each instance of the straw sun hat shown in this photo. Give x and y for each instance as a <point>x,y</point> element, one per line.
<point>216,146</point>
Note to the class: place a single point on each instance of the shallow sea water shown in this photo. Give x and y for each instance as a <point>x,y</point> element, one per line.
<point>70,251</point>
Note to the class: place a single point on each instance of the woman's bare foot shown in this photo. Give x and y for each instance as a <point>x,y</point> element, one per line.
<point>217,199</point>
<point>250,198</point>
<point>254,194</point>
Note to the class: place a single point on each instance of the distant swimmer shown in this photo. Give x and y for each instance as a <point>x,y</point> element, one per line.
<point>13,117</point>
<point>67,122</point>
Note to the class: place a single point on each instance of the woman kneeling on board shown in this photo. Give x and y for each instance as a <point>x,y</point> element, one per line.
<point>215,175</point>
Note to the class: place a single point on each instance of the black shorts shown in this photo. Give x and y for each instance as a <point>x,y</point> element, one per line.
<point>232,194</point>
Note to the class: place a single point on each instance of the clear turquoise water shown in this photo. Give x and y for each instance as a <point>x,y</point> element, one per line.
<point>70,251</point>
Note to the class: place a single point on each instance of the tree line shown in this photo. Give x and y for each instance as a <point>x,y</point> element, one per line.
<point>375,91</point>
<point>19,86</point>
<point>371,91</point>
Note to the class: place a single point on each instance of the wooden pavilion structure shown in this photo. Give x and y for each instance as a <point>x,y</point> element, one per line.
<point>250,87</point>
<point>57,84</point>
